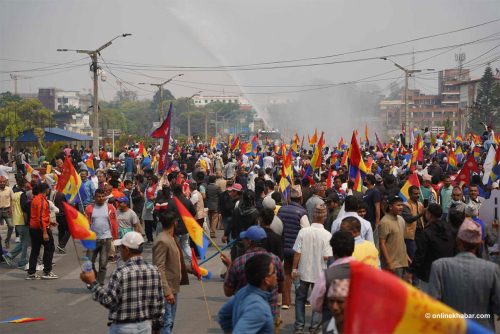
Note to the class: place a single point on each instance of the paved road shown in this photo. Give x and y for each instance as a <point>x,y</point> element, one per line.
<point>68,308</point>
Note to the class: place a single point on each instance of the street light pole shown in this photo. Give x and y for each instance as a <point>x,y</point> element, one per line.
<point>408,74</point>
<point>94,67</point>
<point>160,88</point>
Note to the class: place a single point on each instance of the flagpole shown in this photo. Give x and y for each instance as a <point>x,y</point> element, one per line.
<point>212,242</point>
<point>76,253</point>
<point>206,301</point>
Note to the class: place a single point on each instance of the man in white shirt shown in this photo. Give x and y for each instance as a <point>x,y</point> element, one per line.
<point>268,161</point>
<point>312,250</point>
<point>351,208</point>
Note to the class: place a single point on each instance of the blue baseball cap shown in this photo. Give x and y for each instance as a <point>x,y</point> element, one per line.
<point>123,199</point>
<point>254,233</point>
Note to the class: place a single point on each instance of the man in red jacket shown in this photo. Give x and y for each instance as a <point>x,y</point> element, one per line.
<point>102,219</point>
<point>41,234</point>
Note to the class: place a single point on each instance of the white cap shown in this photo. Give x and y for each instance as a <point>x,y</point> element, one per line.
<point>494,185</point>
<point>131,240</point>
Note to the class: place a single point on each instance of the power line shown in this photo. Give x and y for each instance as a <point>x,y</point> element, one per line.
<point>345,53</point>
<point>47,68</point>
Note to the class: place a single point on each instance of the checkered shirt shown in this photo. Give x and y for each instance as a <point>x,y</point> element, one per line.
<point>236,278</point>
<point>134,293</point>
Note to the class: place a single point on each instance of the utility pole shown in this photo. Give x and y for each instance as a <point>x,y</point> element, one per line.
<point>94,68</point>
<point>408,74</point>
<point>189,115</point>
<point>16,77</point>
<point>160,87</point>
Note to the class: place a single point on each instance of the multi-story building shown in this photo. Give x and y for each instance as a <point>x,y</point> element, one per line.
<point>67,100</point>
<point>59,100</point>
<point>430,110</point>
<point>201,101</point>
<point>48,97</point>
<point>80,123</point>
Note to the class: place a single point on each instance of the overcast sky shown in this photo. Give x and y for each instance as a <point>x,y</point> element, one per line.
<point>235,32</point>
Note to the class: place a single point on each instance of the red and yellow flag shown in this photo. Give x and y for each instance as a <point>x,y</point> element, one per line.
<point>381,303</point>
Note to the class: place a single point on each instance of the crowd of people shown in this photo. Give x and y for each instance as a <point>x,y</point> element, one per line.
<point>290,245</point>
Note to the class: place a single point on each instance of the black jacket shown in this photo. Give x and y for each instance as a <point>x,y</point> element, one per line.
<point>435,241</point>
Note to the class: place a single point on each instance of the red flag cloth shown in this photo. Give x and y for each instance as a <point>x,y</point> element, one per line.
<point>66,173</point>
<point>162,164</point>
<point>161,132</point>
<point>469,167</point>
<point>329,177</point>
<point>194,264</point>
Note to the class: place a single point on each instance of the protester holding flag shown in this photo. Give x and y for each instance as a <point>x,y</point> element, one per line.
<point>102,219</point>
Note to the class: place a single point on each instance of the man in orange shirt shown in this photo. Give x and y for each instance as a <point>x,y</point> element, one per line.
<point>41,234</point>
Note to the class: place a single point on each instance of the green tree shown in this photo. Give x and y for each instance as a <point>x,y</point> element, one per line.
<point>17,116</point>
<point>7,97</point>
<point>487,103</point>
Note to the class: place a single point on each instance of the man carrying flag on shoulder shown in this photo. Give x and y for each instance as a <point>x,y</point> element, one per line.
<point>102,219</point>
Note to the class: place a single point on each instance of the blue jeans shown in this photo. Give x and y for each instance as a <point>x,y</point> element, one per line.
<point>169,317</point>
<point>300,307</point>
<point>22,246</point>
<point>184,243</point>
<point>132,328</point>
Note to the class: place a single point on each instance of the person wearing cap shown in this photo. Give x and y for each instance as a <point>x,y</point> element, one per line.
<point>227,202</point>
<point>391,238</point>
<point>315,199</point>
<point>248,311</point>
<point>253,239</point>
<point>168,258</point>
<point>465,282</point>
<point>127,218</point>
<point>134,294</point>
<point>276,225</point>
<point>337,296</point>
<point>312,250</point>
<point>294,217</point>
<point>427,191</point>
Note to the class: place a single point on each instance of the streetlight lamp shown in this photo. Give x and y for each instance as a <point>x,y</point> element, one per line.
<point>189,115</point>
<point>160,87</point>
<point>408,73</point>
<point>94,67</point>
